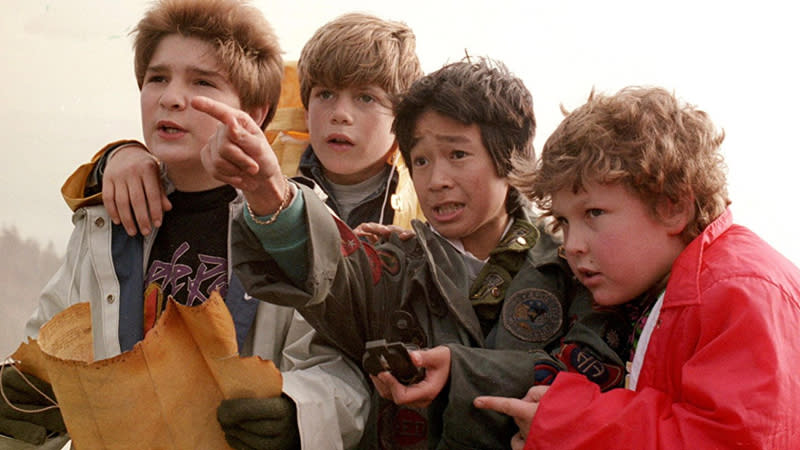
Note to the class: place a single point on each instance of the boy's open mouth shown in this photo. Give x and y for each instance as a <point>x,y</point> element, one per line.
<point>447,211</point>
<point>170,130</point>
<point>169,127</point>
<point>339,139</point>
<point>448,208</point>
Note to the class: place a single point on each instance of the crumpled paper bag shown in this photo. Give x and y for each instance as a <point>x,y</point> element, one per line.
<point>163,394</point>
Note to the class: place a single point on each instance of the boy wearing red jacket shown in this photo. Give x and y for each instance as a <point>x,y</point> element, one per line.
<point>636,183</point>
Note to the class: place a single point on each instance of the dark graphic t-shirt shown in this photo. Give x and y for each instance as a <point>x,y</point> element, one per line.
<point>189,258</point>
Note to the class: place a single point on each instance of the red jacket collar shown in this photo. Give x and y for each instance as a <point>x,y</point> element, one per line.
<point>683,287</point>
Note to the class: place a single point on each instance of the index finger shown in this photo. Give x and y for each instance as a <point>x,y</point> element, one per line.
<point>232,118</point>
<point>513,407</point>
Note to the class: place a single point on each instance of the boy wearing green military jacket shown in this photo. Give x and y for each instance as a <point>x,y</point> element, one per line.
<point>480,287</point>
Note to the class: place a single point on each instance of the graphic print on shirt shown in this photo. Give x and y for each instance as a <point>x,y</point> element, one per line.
<point>188,282</point>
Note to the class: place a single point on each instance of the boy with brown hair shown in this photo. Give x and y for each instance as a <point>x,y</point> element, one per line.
<point>225,50</point>
<point>480,284</point>
<point>636,183</point>
<point>351,72</point>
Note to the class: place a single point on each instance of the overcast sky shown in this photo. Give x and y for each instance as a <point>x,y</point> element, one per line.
<point>67,85</point>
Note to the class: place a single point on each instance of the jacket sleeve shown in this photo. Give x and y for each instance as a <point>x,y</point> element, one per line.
<point>343,274</point>
<point>506,373</point>
<point>326,387</point>
<point>574,414</point>
<point>74,188</point>
<point>63,289</point>
<point>596,343</point>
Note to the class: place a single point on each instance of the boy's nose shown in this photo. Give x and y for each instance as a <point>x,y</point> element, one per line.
<point>574,243</point>
<point>173,99</point>
<point>440,177</point>
<point>341,112</point>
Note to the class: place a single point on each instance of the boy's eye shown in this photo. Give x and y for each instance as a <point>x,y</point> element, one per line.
<point>366,98</point>
<point>594,212</point>
<point>155,79</point>
<point>203,82</point>
<point>324,93</point>
<point>458,154</point>
<point>419,162</point>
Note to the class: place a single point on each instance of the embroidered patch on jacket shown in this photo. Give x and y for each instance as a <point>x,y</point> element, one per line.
<point>545,373</point>
<point>374,262</point>
<point>390,262</point>
<point>578,360</point>
<point>533,315</point>
<point>404,428</point>
<point>350,242</point>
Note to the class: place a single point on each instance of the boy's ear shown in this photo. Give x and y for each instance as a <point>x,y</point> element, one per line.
<point>259,113</point>
<point>676,215</point>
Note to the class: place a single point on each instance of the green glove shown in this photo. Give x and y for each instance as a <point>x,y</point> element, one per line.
<point>260,423</point>
<point>31,427</point>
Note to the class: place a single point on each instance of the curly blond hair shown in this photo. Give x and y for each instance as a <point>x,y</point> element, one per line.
<point>643,137</point>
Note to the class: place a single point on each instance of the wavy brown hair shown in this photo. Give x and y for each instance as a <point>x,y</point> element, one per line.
<point>245,43</point>
<point>643,137</point>
<point>357,50</point>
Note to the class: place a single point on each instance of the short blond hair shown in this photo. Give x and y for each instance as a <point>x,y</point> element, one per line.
<point>246,45</point>
<point>643,137</point>
<point>356,50</point>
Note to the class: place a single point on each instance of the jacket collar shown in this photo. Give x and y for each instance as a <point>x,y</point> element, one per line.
<point>310,168</point>
<point>449,273</point>
<point>683,287</point>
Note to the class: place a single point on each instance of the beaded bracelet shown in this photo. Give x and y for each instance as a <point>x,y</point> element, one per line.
<point>274,217</point>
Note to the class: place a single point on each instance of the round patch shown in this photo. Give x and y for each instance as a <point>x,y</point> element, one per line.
<point>533,315</point>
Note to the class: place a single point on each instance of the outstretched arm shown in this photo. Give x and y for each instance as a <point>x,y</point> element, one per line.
<point>239,154</point>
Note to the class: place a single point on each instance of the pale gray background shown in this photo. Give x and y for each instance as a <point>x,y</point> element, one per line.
<point>67,85</point>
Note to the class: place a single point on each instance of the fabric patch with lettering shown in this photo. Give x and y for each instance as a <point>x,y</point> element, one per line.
<point>578,360</point>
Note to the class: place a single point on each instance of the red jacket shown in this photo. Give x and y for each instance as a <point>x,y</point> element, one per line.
<point>722,369</point>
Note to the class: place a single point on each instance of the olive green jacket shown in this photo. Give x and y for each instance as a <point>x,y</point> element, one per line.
<point>416,291</point>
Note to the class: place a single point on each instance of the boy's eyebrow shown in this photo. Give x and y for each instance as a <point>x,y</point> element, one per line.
<point>192,69</point>
<point>448,138</point>
<point>452,138</point>
<point>441,136</point>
